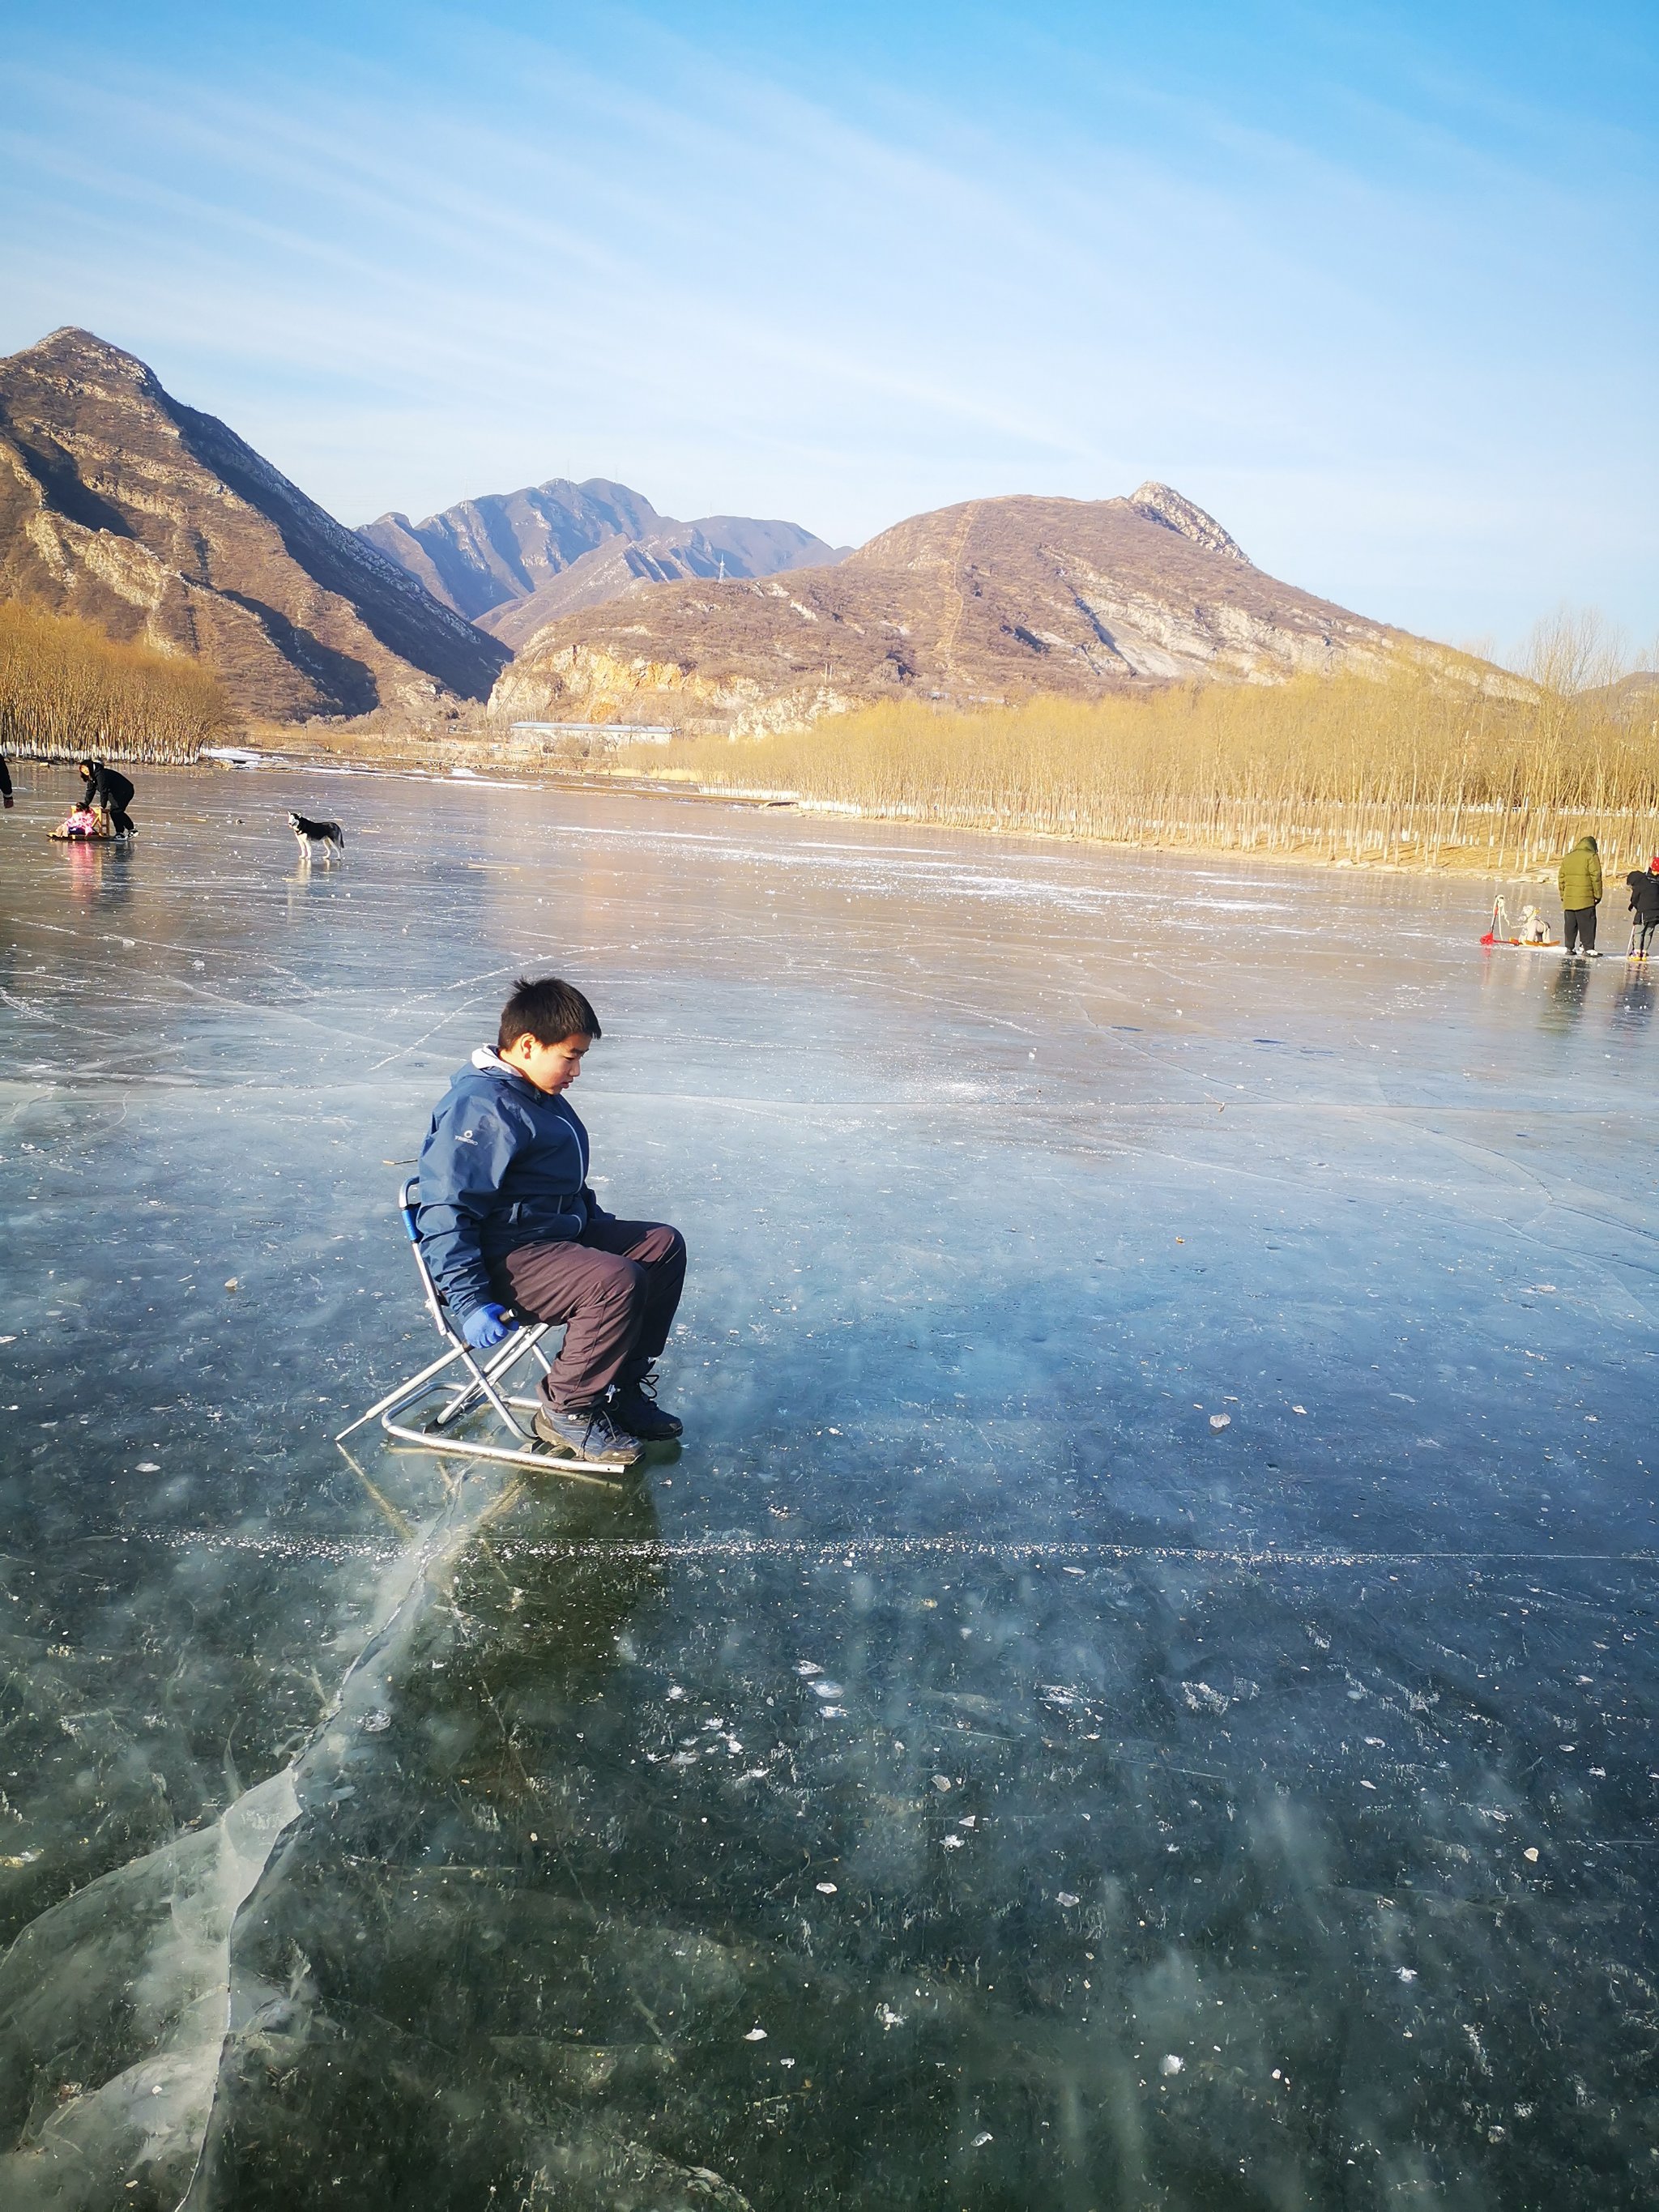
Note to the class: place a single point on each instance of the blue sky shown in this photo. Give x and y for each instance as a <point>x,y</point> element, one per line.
<point>1377,285</point>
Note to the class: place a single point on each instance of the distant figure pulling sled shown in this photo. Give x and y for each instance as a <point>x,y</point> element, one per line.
<point>324,837</point>
<point>507,1223</point>
<point>108,792</point>
<point>1580,880</point>
<point>1535,930</point>
<point>1644,906</point>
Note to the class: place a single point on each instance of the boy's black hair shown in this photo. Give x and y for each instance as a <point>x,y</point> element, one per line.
<point>547,1010</point>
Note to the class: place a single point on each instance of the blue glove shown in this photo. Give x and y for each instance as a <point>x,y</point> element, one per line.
<point>486,1326</point>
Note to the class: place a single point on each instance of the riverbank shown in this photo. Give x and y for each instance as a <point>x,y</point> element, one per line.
<point>1375,839</point>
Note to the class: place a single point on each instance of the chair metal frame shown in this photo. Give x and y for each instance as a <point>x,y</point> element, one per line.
<point>485,1382</point>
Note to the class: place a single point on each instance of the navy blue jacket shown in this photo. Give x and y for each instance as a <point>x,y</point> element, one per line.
<point>503,1164</point>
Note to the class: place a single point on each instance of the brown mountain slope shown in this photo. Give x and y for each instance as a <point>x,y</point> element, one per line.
<point>514,562</point>
<point>495,551</point>
<point>718,547</point>
<point>989,601</point>
<point>159,523</point>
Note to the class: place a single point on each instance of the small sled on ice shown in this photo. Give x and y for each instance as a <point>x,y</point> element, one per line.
<point>83,825</point>
<point>1534,935</point>
<point>482,1388</point>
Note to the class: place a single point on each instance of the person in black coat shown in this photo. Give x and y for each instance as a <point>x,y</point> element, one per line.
<point>5,781</point>
<point>1644,906</point>
<point>109,792</point>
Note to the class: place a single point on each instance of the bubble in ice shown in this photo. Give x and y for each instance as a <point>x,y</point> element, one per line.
<point>983,2138</point>
<point>888,2017</point>
<point>756,2035</point>
<point>1406,1974</point>
<point>377,1722</point>
<point>953,1842</point>
<point>825,1688</point>
<point>150,1467</point>
<point>826,1888</point>
<point>806,1669</point>
<point>1169,2064</point>
<point>1531,1854</point>
<point>675,1690</point>
<point>941,1781</point>
<point>1064,1896</point>
<point>1221,1420</point>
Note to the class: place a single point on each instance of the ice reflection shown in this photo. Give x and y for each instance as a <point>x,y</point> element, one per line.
<point>1139,1688</point>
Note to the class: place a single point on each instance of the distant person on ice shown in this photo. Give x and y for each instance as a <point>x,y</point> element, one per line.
<point>1644,906</point>
<point>5,784</point>
<point>507,1219</point>
<point>107,793</point>
<point>1580,880</point>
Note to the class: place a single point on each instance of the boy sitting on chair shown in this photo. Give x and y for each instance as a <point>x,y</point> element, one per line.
<point>507,1221</point>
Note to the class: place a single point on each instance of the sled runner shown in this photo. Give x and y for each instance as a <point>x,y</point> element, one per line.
<point>483,1387</point>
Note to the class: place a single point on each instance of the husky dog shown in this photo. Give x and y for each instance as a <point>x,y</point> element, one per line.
<point>315,835</point>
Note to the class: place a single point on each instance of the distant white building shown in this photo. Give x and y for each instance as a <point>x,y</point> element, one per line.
<point>606,733</point>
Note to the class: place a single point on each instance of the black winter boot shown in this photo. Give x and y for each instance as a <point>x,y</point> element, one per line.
<point>633,1406</point>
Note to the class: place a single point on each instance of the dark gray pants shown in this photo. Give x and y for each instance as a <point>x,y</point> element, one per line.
<point>1578,922</point>
<point>616,1290</point>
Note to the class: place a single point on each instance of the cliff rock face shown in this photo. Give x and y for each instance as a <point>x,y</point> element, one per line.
<point>514,562</point>
<point>157,522</point>
<point>1159,503</point>
<point>986,602</point>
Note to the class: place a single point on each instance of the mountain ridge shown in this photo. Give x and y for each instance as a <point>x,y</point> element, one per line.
<point>980,603</point>
<point>156,522</point>
<point>512,562</point>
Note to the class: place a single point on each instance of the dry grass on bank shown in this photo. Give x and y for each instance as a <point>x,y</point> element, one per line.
<point>66,691</point>
<point>1414,767</point>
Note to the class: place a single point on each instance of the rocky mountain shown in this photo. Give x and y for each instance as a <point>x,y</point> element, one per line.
<point>120,504</point>
<point>1632,698</point>
<point>514,562</point>
<point>990,601</point>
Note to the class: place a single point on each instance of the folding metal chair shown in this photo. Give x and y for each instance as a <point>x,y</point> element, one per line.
<point>483,1385</point>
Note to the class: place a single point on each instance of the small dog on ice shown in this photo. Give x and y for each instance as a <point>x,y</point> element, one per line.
<point>317,836</point>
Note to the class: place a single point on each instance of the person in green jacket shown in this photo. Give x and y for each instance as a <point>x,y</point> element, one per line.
<point>1580,879</point>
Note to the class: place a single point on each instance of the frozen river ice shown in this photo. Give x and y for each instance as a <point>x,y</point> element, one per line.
<point>1138,1689</point>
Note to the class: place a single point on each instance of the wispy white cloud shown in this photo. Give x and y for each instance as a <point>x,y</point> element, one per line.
<point>464,258</point>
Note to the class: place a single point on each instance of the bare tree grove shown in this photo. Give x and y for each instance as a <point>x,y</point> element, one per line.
<point>66,690</point>
<point>1436,760</point>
